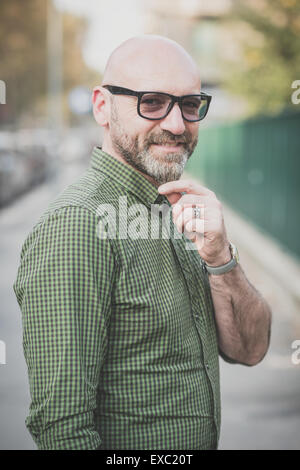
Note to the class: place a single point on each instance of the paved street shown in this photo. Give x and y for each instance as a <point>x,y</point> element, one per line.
<point>15,223</point>
<point>261,405</point>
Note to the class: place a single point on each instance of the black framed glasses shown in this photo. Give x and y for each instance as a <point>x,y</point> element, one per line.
<point>156,105</point>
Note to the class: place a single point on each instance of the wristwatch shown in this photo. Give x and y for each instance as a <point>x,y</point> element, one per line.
<point>228,266</point>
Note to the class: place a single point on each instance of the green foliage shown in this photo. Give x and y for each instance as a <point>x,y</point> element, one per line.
<point>24,61</point>
<point>22,52</point>
<point>269,52</point>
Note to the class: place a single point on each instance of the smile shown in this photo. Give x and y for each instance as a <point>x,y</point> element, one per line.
<point>170,147</point>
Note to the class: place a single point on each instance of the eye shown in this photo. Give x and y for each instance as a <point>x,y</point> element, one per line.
<point>153,100</point>
<point>192,103</point>
<point>150,101</point>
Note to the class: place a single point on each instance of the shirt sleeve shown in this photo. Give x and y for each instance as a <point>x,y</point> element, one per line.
<point>63,287</point>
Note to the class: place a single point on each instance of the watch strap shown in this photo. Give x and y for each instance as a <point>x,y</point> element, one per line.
<point>225,267</point>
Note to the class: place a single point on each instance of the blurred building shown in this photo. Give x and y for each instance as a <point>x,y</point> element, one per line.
<point>197,26</point>
<point>194,24</point>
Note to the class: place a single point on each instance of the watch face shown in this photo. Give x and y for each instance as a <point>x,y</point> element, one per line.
<point>234,251</point>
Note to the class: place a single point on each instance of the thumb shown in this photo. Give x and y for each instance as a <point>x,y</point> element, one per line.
<point>173,197</point>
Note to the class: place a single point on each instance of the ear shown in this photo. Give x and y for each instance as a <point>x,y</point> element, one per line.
<point>100,106</point>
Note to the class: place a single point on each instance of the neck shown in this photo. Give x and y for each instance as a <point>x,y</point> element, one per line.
<point>108,148</point>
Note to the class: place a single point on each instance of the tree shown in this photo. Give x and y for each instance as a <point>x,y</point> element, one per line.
<point>22,52</point>
<point>23,58</point>
<point>267,60</point>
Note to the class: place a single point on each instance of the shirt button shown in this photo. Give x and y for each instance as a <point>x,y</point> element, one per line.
<point>207,366</point>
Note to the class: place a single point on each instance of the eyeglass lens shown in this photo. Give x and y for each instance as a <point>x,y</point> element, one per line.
<point>155,106</point>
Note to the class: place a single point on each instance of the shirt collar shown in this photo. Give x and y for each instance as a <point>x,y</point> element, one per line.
<point>127,176</point>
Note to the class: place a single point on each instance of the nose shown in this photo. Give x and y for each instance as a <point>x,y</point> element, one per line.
<point>173,122</point>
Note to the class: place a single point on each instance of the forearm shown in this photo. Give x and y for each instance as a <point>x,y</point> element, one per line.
<point>243,317</point>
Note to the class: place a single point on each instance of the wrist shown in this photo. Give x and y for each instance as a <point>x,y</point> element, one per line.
<point>226,266</point>
<point>222,258</point>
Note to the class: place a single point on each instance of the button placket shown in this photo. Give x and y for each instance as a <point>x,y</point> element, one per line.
<point>193,264</point>
<point>188,274</point>
<point>187,270</point>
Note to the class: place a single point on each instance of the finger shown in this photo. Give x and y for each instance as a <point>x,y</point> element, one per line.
<point>184,185</point>
<point>195,225</point>
<point>189,200</point>
<point>173,197</point>
<point>196,238</point>
<point>195,201</point>
<point>187,214</point>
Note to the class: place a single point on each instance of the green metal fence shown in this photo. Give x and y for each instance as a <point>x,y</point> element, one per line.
<point>254,166</point>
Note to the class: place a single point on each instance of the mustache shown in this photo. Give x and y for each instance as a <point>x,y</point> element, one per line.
<point>167,137</point>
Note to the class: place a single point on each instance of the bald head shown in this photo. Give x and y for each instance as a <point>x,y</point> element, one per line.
<point>158,147</point>
<point>152,62</point>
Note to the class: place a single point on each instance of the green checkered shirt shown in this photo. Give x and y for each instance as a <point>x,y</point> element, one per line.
<point>118,333</point>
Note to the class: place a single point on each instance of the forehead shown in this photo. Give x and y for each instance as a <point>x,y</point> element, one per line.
<point>164,69</point>
<point>175,86</point>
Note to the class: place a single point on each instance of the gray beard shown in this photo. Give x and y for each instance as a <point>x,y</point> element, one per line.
<point>170,168</point>
<point>167,168</point>
<point>160,171</point>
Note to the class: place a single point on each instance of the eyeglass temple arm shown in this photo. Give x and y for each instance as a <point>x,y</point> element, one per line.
<point>116,90</point>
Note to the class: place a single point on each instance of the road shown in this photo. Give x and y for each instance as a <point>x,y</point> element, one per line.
<point>260,405</point>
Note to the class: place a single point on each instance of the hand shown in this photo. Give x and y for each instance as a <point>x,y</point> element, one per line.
<point>208,232</point>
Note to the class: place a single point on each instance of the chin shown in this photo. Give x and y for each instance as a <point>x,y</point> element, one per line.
<point>169,157</point>
<point>166,176</point>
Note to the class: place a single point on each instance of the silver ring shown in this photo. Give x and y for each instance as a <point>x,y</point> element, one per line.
<point>197,212</point>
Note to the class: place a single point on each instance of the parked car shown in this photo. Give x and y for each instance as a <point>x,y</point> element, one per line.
<point>20,171</point>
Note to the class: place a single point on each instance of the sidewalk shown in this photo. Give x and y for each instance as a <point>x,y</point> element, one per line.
<point>16,221</point>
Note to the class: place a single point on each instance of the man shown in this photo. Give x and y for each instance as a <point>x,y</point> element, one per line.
<point>122,334</point>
